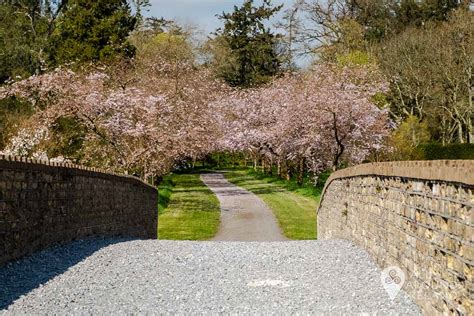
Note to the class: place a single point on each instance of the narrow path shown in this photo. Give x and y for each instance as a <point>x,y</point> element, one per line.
<point>244,216</point>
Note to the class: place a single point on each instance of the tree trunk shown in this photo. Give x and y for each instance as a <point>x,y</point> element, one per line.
<point>270,169</point>
<point>145,173</point>
<point>300,177</point>
<point>470,131</point>
<point>460,133</point>
<point>340,145</point>
<point>287,171</point>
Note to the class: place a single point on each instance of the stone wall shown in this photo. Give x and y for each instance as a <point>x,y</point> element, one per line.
<point>42,204</point>
<point>414,215</point>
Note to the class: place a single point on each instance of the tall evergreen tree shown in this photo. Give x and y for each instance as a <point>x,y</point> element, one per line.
<point>24,30</point>
<point>251,44</point>
<point>411,12</point>
<point>92,30</point>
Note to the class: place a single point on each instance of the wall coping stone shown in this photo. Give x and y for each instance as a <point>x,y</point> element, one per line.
<point>456,171</point>
<point>89,171</point>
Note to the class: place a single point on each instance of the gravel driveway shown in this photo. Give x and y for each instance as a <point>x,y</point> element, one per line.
<point>150,277</point>
<point>244,216</point>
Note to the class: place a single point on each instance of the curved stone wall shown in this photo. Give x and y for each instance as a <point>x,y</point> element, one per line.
<point>416,215</point>
<point>42,204</point>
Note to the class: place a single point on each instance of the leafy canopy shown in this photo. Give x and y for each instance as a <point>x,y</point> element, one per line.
<point>93,30</point>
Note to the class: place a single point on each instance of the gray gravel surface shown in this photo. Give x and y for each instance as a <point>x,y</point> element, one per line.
<point>244,216</point>
<point>151,277</point>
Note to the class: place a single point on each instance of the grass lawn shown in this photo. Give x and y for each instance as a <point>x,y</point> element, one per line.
<point>294,207</point>
<point>187,209</point>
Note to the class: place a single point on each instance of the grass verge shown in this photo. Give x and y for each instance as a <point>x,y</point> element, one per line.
<point>293,206</point>
<point>188,209</point>
<point>164,193</point>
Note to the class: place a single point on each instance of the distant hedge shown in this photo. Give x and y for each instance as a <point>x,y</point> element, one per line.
<point>433,151</point>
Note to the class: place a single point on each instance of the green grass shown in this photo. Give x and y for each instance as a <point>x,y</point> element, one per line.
<point>188,209</point>
<point>293,206</point>
<point>307,189</point>
<point>164,193</point>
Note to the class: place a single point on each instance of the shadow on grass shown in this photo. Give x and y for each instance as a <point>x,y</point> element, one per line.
<point>249,177</point>
<point>20,277</point>
<point>267,190</point>
<point>238,187</point>
<point>257,186</point>
<point>189,204</point>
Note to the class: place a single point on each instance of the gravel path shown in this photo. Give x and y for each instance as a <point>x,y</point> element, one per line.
<point>150,277</point>
<point>244,216</point>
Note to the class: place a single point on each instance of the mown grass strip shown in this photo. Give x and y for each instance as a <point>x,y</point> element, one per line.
<point>189,211</point>
<point>295,210</point>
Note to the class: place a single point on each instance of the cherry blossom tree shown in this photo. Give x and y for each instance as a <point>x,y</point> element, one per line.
<point>134,128</point>
<point>314,121</point>
<point>143,120</point>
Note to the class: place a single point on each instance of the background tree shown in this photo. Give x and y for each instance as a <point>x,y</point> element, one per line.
<point>405,140</point>
<point>379,19</point>
<point>250,44</point>
<point>12,113</point>
<point>289,43</point>
<point>36,35</point>
<point>25,27</point>
<point>139,6</point>
<point>431,72</point>
<point>424,48</point>
<point>378,85</point>
<point>91,31</point>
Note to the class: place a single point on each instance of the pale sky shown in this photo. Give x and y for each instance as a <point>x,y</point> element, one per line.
<point>201,13</point>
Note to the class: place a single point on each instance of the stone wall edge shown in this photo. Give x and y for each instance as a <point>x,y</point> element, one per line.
<point>455,171</point>
<point>16,162</point>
